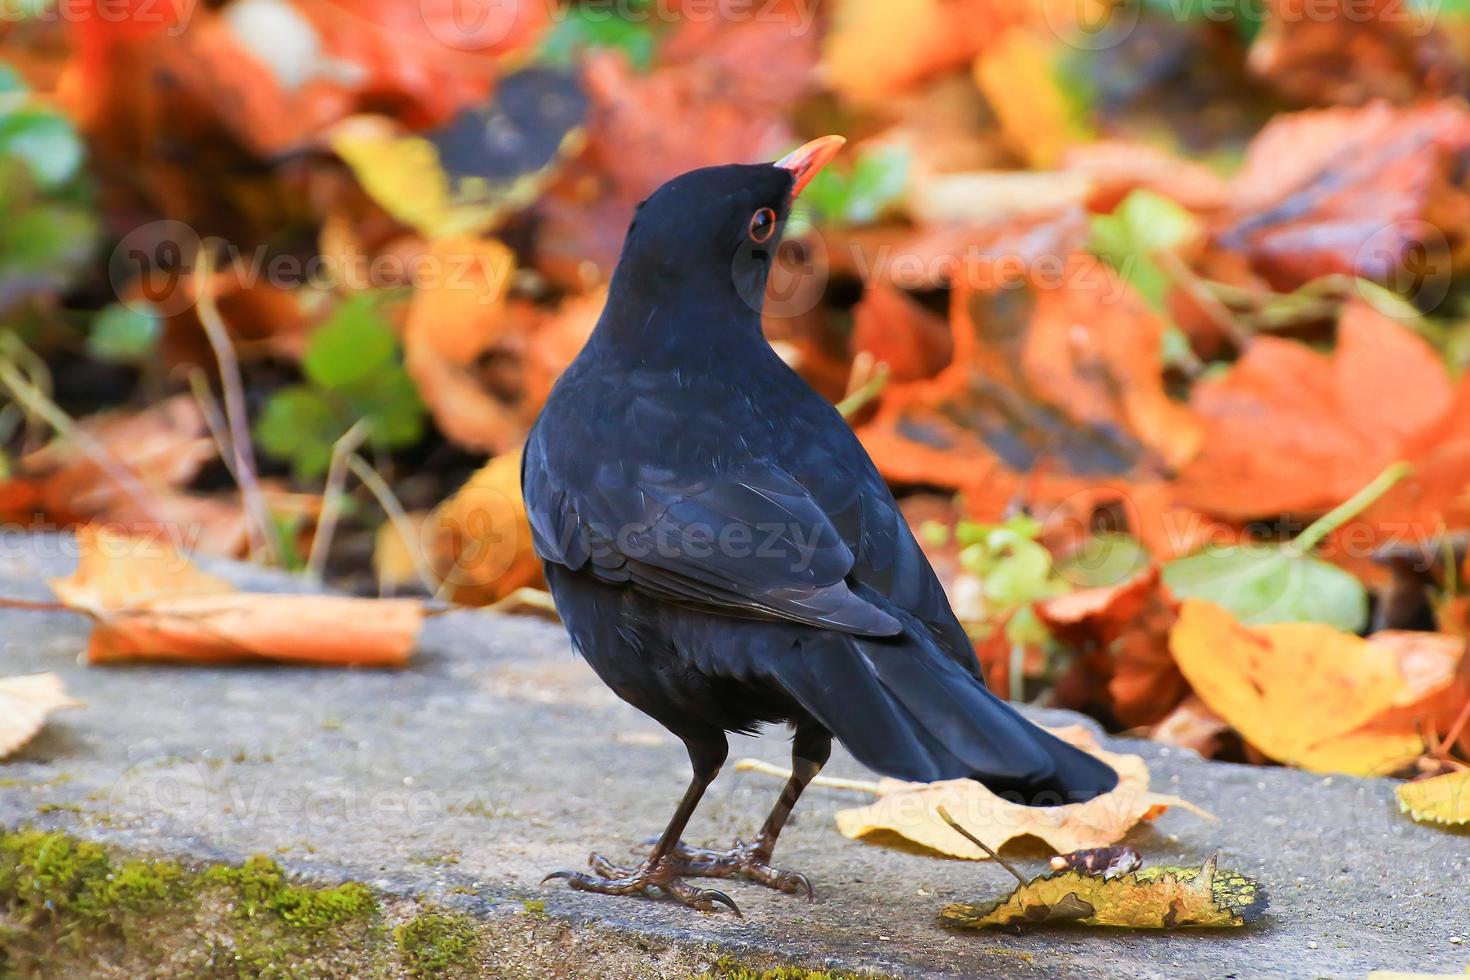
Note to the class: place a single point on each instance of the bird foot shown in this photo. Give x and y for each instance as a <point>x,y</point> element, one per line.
<point>646,879</point>
<point>746,861</point>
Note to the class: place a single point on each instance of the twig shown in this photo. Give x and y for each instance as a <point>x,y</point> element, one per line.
<point>117,471</point>
<point>36,605</point>
<point>944,815</point>
<point>214,418</point>
<point>828,782</point>
<point>332,496</point>
<point>260,528</point>
<point>389,502</point>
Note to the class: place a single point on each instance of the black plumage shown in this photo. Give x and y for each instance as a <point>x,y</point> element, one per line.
<point>724,553</point>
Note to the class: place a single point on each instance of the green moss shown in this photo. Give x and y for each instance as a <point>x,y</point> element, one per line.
<point>434,942</point>
<point>729,968</point>
<point>261,886</point>
<point>75,904</point>
<point>534,906</point>
<point>48,875</point>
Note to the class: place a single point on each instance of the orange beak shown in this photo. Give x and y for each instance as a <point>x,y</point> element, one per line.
<point>809,158</point>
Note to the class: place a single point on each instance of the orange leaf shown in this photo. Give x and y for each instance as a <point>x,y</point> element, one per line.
<point>1291,430</point>
<point>1348,191</point>
<point>1121,633</point>
<point>150,602</point>
<point>1307,694</point>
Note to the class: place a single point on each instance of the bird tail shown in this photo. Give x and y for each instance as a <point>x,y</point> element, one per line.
<point>906,709</point>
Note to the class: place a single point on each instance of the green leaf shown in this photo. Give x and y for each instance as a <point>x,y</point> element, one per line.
<point>351,347</point>
<point>1264,583</point>
<point>596,26</point>
<point>1143,225</point>
<point>45,141</point>
<point>1105,559</point>
<point>124,333</point>
<point>879,177</point>
<point>300,425</point>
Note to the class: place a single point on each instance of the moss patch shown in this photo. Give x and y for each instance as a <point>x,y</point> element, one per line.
<point>73,904</point>
<point>434,943</point>
<point>729,968</point>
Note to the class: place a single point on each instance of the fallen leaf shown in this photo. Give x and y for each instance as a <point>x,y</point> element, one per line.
<point>1152,898</point>
<point>1192,725</point>
<point>911,810</point>
<point>452,321</point>
<point>25,702</point>
<point>1017,73</point>
<point>1121,635</point>
<point>1307,694</point>
<point>1351,191</point>
<point>1061,365</point>
<point>148,601</point>
<point>152,452</point>
<point>895,329</point>
<point>1347,52</point>
<point>1289,430</point>
<point>477,542</point>
<point>1443,800</point>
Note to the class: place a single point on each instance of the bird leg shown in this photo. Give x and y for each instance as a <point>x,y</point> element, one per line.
<point>660,871</point>
<point>751,860</point>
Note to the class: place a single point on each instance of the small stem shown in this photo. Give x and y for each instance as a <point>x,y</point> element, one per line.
<point>865,392</point>
<point>332,497</point>
<point>214,418</point>
<point>944,815</point>
<point>827,782</point>
<point>260,527</point>
<point>389,502</point>
<point>1308,540</point>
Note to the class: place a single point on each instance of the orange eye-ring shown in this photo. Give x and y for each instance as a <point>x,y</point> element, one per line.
<point>762,225</point>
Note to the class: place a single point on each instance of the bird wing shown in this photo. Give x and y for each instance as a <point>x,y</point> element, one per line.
<point>751,541</point>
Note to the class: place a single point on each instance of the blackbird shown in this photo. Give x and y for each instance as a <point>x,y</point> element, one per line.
<point>724,553</point>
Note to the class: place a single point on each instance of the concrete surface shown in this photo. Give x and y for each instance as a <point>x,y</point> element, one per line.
<point>498,757</point>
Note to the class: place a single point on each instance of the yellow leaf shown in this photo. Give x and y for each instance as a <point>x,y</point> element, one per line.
<point>479,541</point>
<point>1016,74</point>
<point>911,810</point>
<point>25,702</point>
<point>1444,800</point>
<point>1305,693</point>
<point>1152,898</point>
<point>404,176</point>
<point>458,313</point>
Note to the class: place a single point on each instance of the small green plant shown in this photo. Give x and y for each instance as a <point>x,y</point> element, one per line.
<point>48,228</point>
<point>353,371</point>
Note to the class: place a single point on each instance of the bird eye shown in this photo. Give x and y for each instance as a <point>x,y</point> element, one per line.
<point>762,225</point>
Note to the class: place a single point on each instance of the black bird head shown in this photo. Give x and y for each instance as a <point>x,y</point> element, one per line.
<point>708,237</point>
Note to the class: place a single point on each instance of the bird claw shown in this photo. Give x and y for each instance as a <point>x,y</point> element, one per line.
<point>743,860</point>
<point>663,877</point>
